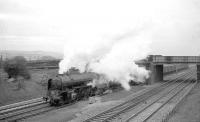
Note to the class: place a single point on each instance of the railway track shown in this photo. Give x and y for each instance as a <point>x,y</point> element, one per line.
<point>147,112</point>
<point>119,112</point>
<point>16,114</point>
<point>15,105</point>
<point>25,109</point>
<point>18,110</point>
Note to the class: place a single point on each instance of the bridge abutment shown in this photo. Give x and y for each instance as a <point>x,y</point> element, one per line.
<point>156,73</point>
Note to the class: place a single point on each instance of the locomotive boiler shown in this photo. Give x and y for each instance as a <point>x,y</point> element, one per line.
<point>67,89</point>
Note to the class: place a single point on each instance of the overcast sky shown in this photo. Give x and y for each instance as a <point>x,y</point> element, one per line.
<point>173,26</point>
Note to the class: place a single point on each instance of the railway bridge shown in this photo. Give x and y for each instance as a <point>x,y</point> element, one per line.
<point>155,65</point>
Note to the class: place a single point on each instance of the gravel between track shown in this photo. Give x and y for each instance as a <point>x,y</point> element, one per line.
<point>189,109</point>
<point>80,108</point>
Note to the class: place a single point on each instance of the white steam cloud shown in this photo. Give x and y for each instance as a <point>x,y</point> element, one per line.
<point>106,37</point>
<point>112,57</point>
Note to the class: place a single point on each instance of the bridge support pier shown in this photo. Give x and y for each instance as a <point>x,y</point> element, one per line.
<point>156,73</point>
<point>198,72</point>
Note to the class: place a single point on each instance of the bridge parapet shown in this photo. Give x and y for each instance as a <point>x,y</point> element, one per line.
<point>158,59</point>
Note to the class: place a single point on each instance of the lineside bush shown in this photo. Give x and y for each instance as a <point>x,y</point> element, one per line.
<point>16,67</point>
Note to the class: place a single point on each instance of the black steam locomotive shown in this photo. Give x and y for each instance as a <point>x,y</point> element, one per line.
<point>64,89</point>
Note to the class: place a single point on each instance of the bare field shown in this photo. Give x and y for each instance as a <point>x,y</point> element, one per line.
<point>33,88</point>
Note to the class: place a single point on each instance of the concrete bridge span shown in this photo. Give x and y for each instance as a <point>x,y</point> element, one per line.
<point>155,64</point>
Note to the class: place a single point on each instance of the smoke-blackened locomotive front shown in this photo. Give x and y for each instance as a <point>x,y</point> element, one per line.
<point>64,89</point>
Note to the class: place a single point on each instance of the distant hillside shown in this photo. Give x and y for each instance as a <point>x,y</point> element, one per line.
<point>31,55</point>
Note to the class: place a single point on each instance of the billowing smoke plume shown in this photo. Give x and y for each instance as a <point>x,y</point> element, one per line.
<point>112,57</point>
<point>106,37</point>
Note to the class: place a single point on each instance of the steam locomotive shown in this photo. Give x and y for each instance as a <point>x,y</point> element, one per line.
<point>64,89</point>
<point>75,86</point>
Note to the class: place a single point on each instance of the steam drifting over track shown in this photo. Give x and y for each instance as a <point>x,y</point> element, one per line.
<point>141,102</point>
